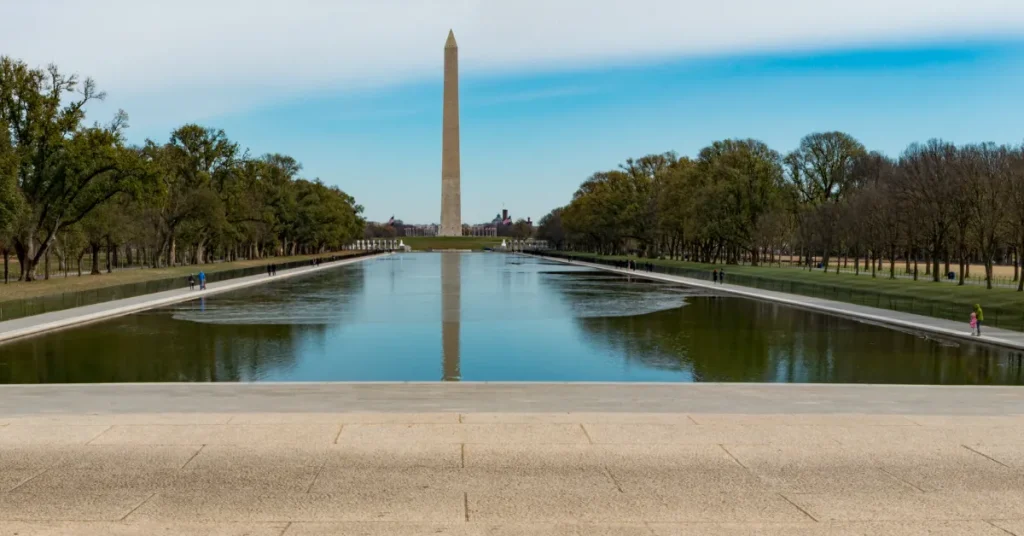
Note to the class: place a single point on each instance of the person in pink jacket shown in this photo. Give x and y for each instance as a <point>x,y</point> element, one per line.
<point>974,323</point>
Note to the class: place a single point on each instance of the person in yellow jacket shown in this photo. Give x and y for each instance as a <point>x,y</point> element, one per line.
<point>981,317</point>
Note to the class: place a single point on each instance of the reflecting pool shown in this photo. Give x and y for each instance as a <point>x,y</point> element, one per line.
<point>491,317</point>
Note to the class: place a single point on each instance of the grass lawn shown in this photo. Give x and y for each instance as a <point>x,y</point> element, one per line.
<point>58,284</point>
<point>1003,307</point>
<point>423,243</point>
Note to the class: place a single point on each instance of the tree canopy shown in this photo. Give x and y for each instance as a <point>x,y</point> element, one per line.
<point>194,198</point>
<point>741,201</point>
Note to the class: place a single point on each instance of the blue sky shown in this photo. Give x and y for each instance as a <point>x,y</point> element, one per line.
<point>540,112</point>
<point>529,140</point>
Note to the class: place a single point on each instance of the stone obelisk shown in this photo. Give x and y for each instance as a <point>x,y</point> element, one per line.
<point>451,179</point>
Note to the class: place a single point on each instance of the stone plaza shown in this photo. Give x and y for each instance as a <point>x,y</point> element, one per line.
<point>511,459</point>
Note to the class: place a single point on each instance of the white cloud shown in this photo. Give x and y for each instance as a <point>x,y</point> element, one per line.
<point>532,95</point>
<point>205,56</point>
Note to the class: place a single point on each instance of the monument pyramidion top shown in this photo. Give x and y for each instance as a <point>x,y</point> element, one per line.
<point>450,43</point>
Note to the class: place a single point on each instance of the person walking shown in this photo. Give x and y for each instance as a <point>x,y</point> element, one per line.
<point>202,280</point>
<point>974,323</point>
<point>714,276</point>
<point>191,282</point>
<point>981,318</point>
<point>269,270</point>
<point>721,277</point>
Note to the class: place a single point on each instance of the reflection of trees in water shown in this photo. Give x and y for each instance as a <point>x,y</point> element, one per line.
<point>154,347</point>
<point>736,340</point>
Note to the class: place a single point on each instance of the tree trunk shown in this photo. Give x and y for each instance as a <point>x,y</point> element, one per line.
<point>873,263</point>
<point>95,259</point>
<point>892,262</point>
<point>80,255</point>
<point>25,253</point>
<point>165,244</point>
<point>7,265</point>
<point>108,259</point>
<point>46,265</point>
<point>1020,282</point>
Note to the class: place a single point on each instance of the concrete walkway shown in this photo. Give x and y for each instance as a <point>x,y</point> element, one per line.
<point>926,324</point>
<point>32,325</point>
<point>710,466</point>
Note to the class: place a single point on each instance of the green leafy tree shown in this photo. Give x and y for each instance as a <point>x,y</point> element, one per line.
<point>64,169</point>
<point>823,170</point>
<point>550,228</point>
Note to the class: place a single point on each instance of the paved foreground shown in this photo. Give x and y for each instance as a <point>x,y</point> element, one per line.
<point>705,466</point>
<point>887,317</point>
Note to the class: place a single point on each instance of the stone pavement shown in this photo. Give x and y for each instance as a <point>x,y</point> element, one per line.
<point>886,317</point>
<point>31,325</point>
<point>703,468</point>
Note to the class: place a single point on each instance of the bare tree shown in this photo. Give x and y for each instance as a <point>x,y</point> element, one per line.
<point>927,186</point>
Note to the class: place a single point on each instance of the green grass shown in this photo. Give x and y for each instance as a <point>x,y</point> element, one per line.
<point>1003,307</point>
<point>58,284</point>
<point>477,243</point>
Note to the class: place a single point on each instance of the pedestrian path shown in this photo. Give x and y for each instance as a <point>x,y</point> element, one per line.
<point>512,459</point>
<point>886,317</point>
<point>31,325</point>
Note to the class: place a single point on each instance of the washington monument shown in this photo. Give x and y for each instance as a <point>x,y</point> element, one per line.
<point>451,178</point>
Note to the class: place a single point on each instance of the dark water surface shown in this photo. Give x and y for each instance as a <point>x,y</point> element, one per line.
<point>489,316</point>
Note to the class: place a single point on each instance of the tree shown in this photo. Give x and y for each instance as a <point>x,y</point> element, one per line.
<point>65,170</point>
<point>1015,201</point>
<point>522,229</point>
<point>742,180</point>
<point>928,188</point>
<point>550,228</point>
<point>195,164</point>
<point>989,172</point>
<point>822,169</point>
<point>11,200</point>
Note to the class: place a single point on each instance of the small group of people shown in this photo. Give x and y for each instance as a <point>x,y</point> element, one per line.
<point>718,276</point>
<point>271,269</point>
<point>976,317</point>
<point>192,281</point>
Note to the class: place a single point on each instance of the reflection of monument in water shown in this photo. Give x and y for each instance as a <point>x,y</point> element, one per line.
<point>451,313</point>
